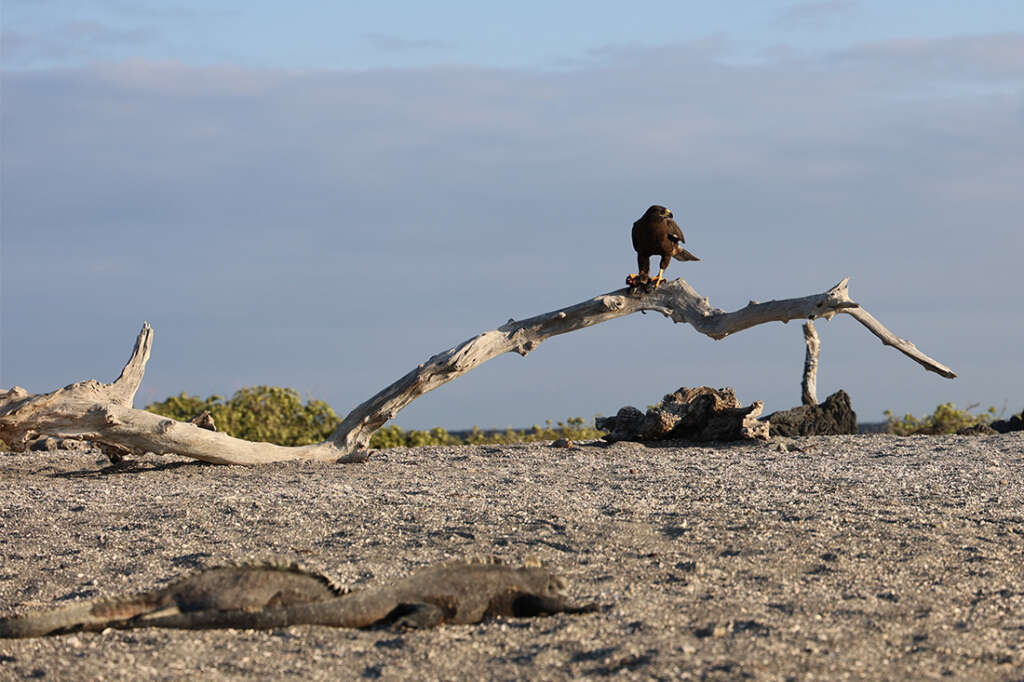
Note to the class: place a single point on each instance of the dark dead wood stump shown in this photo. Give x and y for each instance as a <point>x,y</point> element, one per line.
<point>833,417</point>
<point>693,414</point>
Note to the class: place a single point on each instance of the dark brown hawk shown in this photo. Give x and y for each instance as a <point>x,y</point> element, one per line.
<point>656,234</point>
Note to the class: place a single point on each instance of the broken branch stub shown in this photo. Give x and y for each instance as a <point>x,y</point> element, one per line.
<point>103,413</point>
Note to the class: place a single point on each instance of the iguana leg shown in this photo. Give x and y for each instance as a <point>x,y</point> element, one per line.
<point>416,616</point>
<point>532,605</point>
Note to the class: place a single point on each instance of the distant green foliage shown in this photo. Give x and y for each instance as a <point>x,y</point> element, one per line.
<point>183,407</point>
<point>572,429</point>
<point>277,415</point>
<point>259,413</point>
<point>392,436</point>
<point>946,419</point>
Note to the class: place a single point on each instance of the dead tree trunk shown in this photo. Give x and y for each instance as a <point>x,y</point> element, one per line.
<point>809,386</point>
<point>103,413</point>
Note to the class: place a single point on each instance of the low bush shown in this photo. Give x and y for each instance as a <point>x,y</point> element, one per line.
<point>260,413</point>
<point>277,415</point>
<point>572,429</point>
<point>946,419</point>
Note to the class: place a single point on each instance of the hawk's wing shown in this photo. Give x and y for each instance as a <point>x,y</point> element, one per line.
<point>638,235</point>
<point>673,231</point>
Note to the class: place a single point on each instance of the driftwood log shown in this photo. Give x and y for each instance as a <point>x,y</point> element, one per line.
<point>695,414</point>
<point>103,413</point>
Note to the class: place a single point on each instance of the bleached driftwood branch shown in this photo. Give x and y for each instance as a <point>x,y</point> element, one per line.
<point>102,412</point>
<point>676,300</point>
<point>902,345</point>
<point>809,386</point>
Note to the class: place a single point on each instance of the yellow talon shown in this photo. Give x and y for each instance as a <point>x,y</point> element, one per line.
<point>657,280</point>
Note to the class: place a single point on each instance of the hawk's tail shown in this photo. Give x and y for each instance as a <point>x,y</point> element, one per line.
<point>683,254</point>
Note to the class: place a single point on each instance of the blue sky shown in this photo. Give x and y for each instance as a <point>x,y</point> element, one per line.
<point>530,33</point>
<point>324,196</point>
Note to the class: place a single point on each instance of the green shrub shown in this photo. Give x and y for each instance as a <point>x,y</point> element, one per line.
<point>392,436</point>
<point>260,413</point>
<point>946,419</point>
<point>277,415</point>
<point>183,407</point>
<point>389,436</point>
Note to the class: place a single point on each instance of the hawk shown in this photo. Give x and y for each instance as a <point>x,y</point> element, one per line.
<point>656,234</point>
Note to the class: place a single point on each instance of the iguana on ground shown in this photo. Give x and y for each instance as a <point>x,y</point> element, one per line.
<point>265,596</point>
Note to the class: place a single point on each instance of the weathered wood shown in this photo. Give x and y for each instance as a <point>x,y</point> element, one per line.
<point>902,345</point>
<point>676,300</point>
<point>809,386</point>
<point>695,414</point>
<point>102,413</point>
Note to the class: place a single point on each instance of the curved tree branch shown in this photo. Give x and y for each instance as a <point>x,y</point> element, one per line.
<point>102,413</point>
<point>676,300</point>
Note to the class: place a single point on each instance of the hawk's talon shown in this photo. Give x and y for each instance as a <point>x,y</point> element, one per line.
<point>638,280</point>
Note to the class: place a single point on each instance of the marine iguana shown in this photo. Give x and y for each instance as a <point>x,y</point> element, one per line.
<point>263,596</point>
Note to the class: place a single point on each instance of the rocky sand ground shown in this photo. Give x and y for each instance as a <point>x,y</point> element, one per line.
<point>844,557</point>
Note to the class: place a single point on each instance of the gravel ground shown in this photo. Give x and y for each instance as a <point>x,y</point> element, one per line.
<point>844,557</point>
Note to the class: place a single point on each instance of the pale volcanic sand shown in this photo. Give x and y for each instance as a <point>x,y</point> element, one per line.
<point>863,557</point>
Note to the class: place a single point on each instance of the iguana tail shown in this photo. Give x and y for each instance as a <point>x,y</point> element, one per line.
<point>76,616</point>
<point>359,609</point>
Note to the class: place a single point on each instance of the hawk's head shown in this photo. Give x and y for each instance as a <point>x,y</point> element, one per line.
<point>658,212</point>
